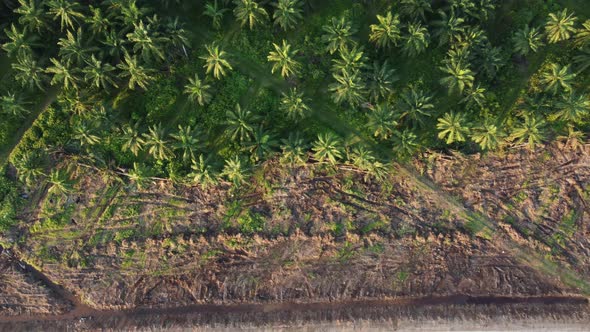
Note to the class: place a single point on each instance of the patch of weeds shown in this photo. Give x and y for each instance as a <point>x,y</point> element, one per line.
<point>377,248</point>
<point>402,275</point>
<point>124,234</point>
<point>251,222</point>
<point>520,197</point>
<point>346,252</point>
<point>568,223</point>
<point>377,225</point>
<point>405,229</point>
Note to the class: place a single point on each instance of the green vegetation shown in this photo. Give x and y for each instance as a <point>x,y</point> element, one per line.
<point>202,93</point>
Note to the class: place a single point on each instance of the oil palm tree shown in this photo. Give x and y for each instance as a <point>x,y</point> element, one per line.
<point>337,34</point>
<point>448,27</point>
<point>405,144</point>
<point>527,40</point>
<point>187,142</point>
<point>216,61</point>
<point>215,13</point>
<point>381,121</point>
<point>84,134</point>
<point>386,33</point>
<point>132,139</point>
<point>572,108</point>
<point>451,128</point>
<point>415,9</point>
<point>30,167</point>
<point>235,171</point>
<point>239,123</point>
<point>66,11</point>
<point>249,12</point>
<point>294,150</point>
<point>146,42</point>
<point>97,22</point>
<point>32,16</point>
<point>140,175</point>
<point>59,182</point>
<point>98,74</point>
<point>458,77</point>
<point>349,59</point>
<point>380,81</point>
<point>560,26</point>
<point>294,104</point>
<point>348,87</point>
<point>113,44</point>
<point>203,173</point>
<point>362,157</point>
<point>287,13</point>
<point>262,144</point>
<point>582,37</point>
<point>137,74</point>
<point>416,39</point>
<point>556,78</point>
<point>19,43</point>
<point>28,72</point>
<point>282,59</point>
<point>72,47</point>
<point>487,135</point>
<point>175,34</point>
<point>474,96</point>
<point>198,91</point>
<point>415,105</point>
<point>13,105</point>
<point>328,147</point>
<point>157,144</point>
<point>531,131</point>
<point>62,74</point>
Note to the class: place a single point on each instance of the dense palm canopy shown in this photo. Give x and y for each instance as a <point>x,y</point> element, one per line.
<point>458,77</point>
<point>136,74</point>
<point>348,87</point>
<point>415,40</point>
<point>530,131</point>
<point>415,105</point>
<point>382,121</point>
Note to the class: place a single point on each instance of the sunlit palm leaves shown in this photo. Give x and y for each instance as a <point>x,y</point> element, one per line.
<point>216,61</point>
<point>136,74</point>
<point>66,11</point>
<point>30,167</point>
<point>203,173</point>
<point>448,28</point>
<point>349,59</point>
<point>582,37</point>
<point>157,144</point>
<point>248,12</point>
<point>84,134</point>
<point>240,123</point>
<point>488,136</point>
<point>198,90</point>
<point>18,44</point>
<point>294,104</point>
<point>572,107</point>
<point>557,78</point>
<point>59,182</point>
<point>97,22</point>
<point>380,81</point>
<point>235,171</point>
<point>415,8</point>
<point>348,87</point>
<point>386,33</point>
<point>146,42</point>
<point>338,34</point>
<point>474,96</point>
<point>405,144</point>
<point>560,26</point>
<point>99,74</point>
<point>32,15</point>
<point>140,175</point>
<point>415,105</point>
<point>458,77</point>
<point>63,74</point>
<point>132,139</point>
<point>13,105</point>
<point>187,142</point>
<point>282,59</point>
<point>530,131</point>
<point>451,128</point>
<point>416,39</point>
<point>261,145</point>
<point>327,148</point>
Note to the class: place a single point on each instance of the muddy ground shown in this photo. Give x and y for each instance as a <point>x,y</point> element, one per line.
<point>511,224</point>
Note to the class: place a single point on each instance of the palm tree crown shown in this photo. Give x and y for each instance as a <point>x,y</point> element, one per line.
<point>216,61</point>
<point>282,58</point>
<point>560,26</point>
